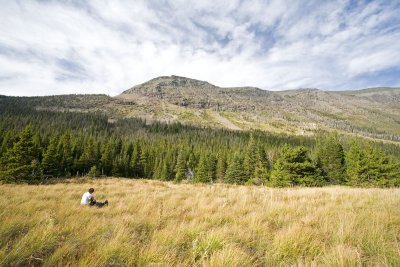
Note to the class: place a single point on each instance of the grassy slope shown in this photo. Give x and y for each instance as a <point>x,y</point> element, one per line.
<point>157,223</point>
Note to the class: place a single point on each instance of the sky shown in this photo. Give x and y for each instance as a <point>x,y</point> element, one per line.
<point>99,46</point>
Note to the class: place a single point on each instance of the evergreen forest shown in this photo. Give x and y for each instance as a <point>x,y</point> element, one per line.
<point>42,145</point>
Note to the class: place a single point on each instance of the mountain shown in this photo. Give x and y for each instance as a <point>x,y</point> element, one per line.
<point>372,112</point>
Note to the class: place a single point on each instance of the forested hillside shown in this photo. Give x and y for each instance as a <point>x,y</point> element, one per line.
<point>369,113</point>
<point>36,145</point>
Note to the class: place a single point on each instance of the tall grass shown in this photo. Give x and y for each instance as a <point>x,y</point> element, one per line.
<point>153,223</point>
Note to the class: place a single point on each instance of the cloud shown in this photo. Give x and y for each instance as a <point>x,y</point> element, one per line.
<point>99,46</point>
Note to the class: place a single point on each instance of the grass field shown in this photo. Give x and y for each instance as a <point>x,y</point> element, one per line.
<point>153,223</point>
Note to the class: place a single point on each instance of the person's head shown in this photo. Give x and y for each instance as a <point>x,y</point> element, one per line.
<point>91,190</point>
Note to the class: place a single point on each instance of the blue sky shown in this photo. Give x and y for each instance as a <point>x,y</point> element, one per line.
<point>74,46</point>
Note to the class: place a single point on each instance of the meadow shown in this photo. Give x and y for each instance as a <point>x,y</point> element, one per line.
<point>154,223</point>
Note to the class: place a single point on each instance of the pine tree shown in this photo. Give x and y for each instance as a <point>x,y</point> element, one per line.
<point>51,159</point>
<point>330,158</point>
<point>250,160</point>
<point>261,172</point>
<point>221,167</point>
<point>202,173</point>
<point>106,160</point>
<point>235,173</point>
<point>370,166</point>
<point>165,174</point>
<point>121,164</point>
<point>19,162</point>
<point>89,156</point>
<point>144,165</point>
<point>65,151</point>
<point>129,150</point>
<point>39,146</point>
<point>118,146</point>
<point>6,143</point>
<point>180,167</point>
<point>157,169</point>
<point>118,168</point>
<point>389,172</point>
<point>135,166</point>
<point>354,162</point>
<point>191,165</point>
<point>212,167</point>
<point>294,167</point>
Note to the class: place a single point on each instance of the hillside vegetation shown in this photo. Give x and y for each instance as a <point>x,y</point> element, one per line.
<point>37,145</point>
<point>152,223</point>
<point>371,113</point>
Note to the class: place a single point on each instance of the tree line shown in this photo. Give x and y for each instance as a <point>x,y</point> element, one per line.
<point>36,145</point>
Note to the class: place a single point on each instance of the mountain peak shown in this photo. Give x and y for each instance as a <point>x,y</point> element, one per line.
<point>169,82</point>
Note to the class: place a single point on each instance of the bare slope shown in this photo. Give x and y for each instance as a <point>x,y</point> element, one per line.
<point>371,112</point>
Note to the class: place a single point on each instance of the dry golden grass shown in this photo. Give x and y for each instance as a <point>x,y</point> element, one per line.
<point>152,223</point>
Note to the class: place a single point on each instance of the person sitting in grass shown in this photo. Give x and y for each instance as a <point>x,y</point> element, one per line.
<point>88,199</point>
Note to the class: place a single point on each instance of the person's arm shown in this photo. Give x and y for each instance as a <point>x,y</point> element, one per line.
<point>91,199</point>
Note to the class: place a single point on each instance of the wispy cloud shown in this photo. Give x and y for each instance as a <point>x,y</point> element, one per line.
<point>99,46</point>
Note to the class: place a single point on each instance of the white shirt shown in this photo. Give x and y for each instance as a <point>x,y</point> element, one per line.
<point>86,198</point>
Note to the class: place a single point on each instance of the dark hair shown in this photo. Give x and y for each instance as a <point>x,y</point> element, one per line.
<point>91,190</point>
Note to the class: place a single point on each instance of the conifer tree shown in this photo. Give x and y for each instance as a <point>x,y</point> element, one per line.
<point>65,151</point>
<point>6,143</point>
<point>235,174</point>
<point>250,160</point>
<point>119,165</point>
<point>106,160</point>
<point>135,166</point>
<point>39,146</point>
<point>51,159</point>
<point>118,146</point>
<point>19,162</point>
<point>212,167</point>
<point>157,169</point>
<point>202,173</point>
<point>165,174</point>
<point>129,150</point>
<point>354,163</point>
<point>370,166</point>
<point>143,167</point>
<point>221,167</point>
<point>389,172</point>
<point>330,158</point>
<point>261,170</point>
<point>191,165</point>
<point>88,157</point>
<point>180,167</point>
<point>294,167</point>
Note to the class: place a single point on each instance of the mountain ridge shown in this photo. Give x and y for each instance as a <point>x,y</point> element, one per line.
<point>175,77</point>
<point>372,112</point>
<point>299,111</point>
